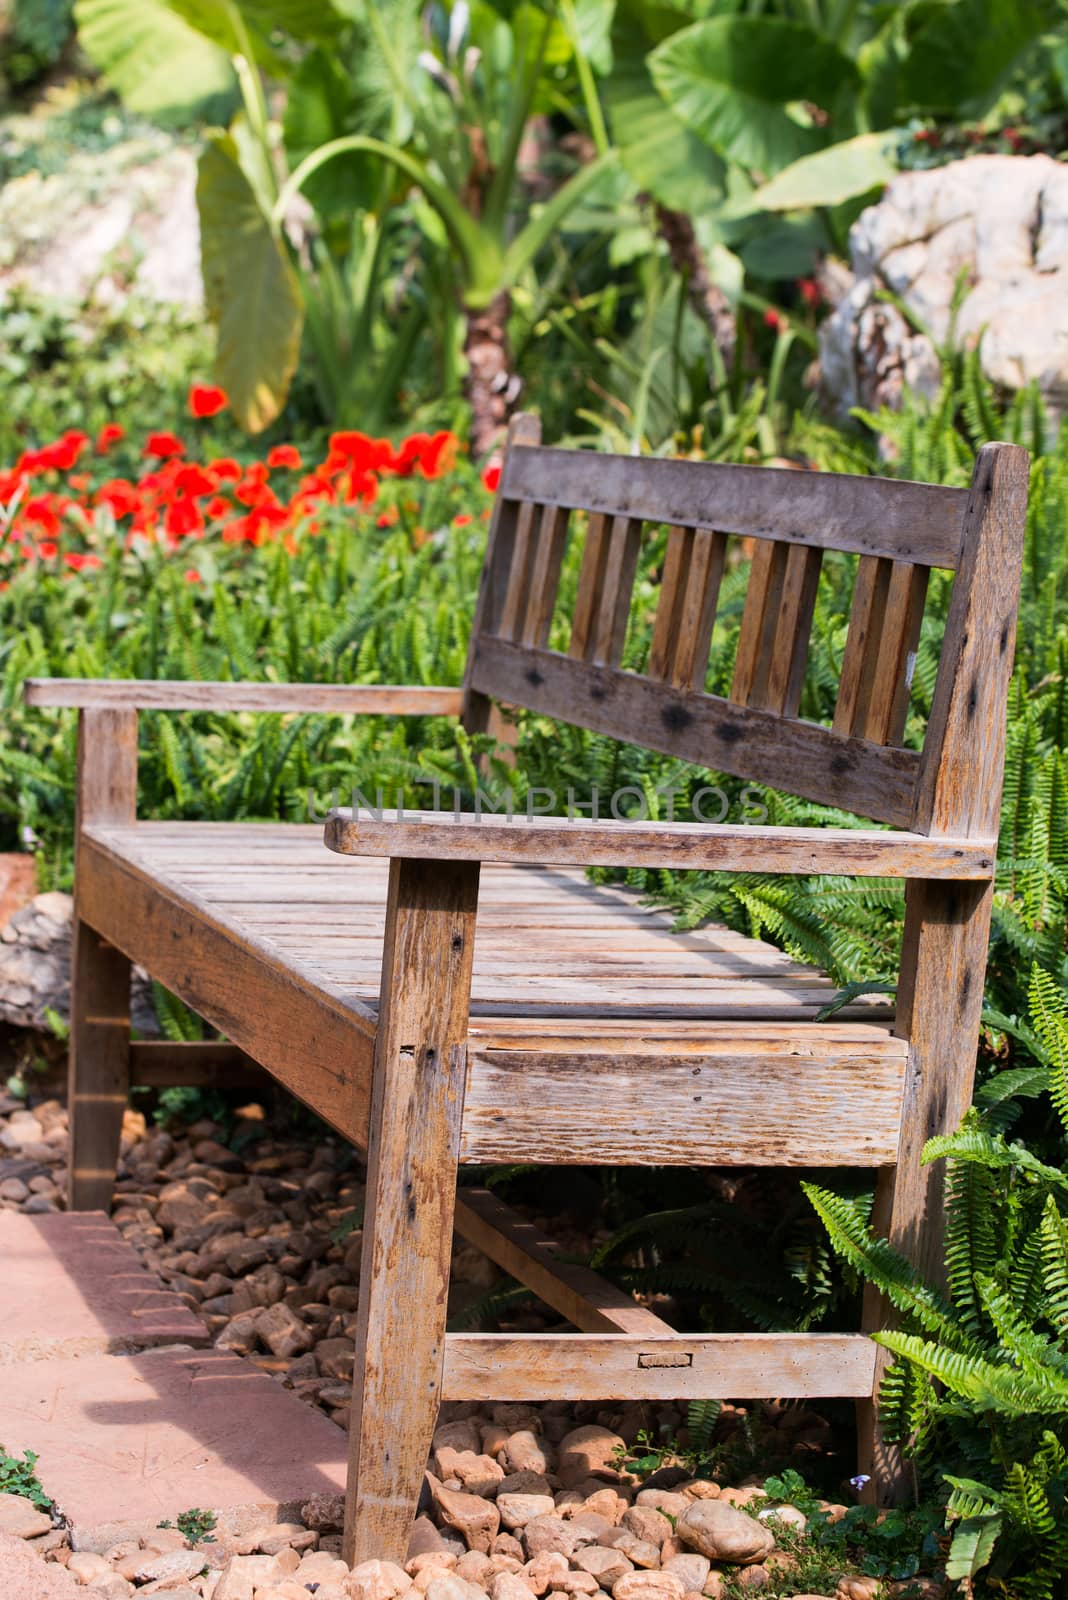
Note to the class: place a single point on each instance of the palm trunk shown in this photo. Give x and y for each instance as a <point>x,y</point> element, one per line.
<point>490,386</point>
<point>707,299</point>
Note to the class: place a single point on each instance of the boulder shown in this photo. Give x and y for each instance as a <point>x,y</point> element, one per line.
<point>721,1532</point>
<point>1000,223</point>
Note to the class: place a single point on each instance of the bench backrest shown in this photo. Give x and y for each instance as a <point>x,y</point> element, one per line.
<point>898,530</point>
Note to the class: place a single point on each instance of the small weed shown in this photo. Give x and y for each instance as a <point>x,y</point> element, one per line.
<point>195,1525</point>
<point>350,1223</point>
<point>20,1477</point>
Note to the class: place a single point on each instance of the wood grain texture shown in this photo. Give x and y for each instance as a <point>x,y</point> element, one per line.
<point>711,732</point>
<point>553,952</point>
<point>623,1366</point>
<point>317,1043</point>
<point>479,713</point>
<point>959,786</point>
<point>808,1100</point>
<point>98,1081</point>
<point>914,522</point>
<point>793,625</point>
<point>767,574</point>
<point>545,576</point>
<point>888,702</point>
<point>163,694</point>
<point>686,611</point>
<point>685,846</point>
<point>522,1250</point>
<point>416,1109</point>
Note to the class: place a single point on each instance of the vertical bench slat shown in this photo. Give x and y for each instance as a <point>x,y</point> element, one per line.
<point>889,705</point>
<point>621,565</point>
<point>793,625</point>
<point>884,630</point>
<point>545,575</point>
<point>689,593</point>
<point>673,590</point>
<point>591,578</point>
<point>518,589</point>
<point>763,597</point>
<point>862,644</point>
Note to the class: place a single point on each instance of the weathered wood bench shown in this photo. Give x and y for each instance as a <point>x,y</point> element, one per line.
<point>570,1025</point>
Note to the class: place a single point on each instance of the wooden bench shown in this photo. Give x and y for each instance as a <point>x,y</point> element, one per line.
<point>570,1025</point>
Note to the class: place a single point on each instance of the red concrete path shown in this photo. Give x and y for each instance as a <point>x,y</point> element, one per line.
<point>128,1440</point>
<point>70,1285</point>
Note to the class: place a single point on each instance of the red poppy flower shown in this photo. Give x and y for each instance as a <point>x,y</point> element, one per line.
<point>774,319</point>
<point>163,445</point>
<point>225,467</point>
<point>120,495</point>
<point>462,520</point>
<point>491,476</point>
<point>192,575</point>
<point>285,455</point>
<point>182,518</point>
<point>207,400</point>
<point>218,506</point>
<point>81,561</point>
<point>358,452</point>
<point>48,549</point>
<point>40,512</point>
<point>193,480</point>
<point>109,434</point>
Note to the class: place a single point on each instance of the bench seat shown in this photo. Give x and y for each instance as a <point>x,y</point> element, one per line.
<point>596,1033</point>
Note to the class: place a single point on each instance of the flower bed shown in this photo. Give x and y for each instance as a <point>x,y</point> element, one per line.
<point>65,506</point>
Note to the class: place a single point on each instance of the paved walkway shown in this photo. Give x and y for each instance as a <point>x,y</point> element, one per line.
<point>110,1378</point>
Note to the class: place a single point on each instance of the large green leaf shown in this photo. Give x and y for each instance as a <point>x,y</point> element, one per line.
<point>319,109</point>
<point>962,51</point>
<point>251,289</point>
<point>658,151</point>
<point>733,81</point>
<point>830,176</point>
<point>158,63</point>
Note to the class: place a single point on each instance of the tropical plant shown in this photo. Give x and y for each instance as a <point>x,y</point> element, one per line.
<point>448,121</point>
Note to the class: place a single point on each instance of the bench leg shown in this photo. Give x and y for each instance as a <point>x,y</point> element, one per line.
<point>99,1080</point>
<point>416,1110</point>
<point>939,1006</point>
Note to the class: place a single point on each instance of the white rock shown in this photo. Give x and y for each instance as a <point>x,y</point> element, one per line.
<point>1002,223</point>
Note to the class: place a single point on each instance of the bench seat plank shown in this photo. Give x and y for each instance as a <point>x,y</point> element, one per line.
<point>279,945</point>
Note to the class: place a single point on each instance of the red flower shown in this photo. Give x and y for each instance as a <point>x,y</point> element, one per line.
<point>79,561</point>
<point>285,455</point>
<point>810,291</point>
<point>358,452</point>
<point>193,480</point>
<point>40,511</point>
<point>462,520</point>
<point>120,495</point>
<point>774,319</point>
<point>182,518</point>
<point>163,445</point>
<point>207,400</point>
<point>192,575</point>
<point>491,476</point>
<point>432,455</point>
<point>48,549</point>
<point>57,457</point>
<point>225,467</point>
<point>109,434</point>
<point>218,506</point>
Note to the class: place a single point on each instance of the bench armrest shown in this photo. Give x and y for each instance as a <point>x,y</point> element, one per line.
<point>161,694</point>
<point>708,847</point>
